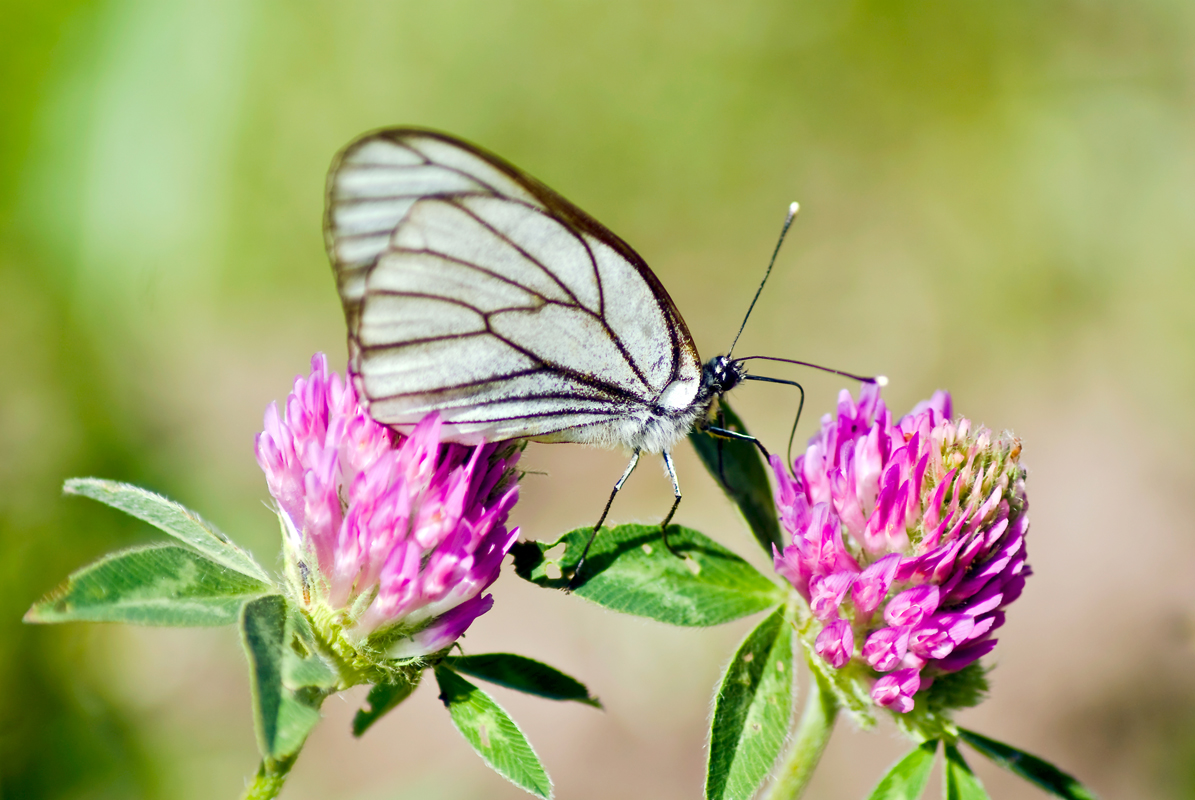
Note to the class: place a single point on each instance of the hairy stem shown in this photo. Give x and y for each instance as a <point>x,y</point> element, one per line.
<point>812,734</point>
<point>270,777</point>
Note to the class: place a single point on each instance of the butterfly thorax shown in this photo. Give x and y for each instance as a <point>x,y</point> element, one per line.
<point>669,422</point>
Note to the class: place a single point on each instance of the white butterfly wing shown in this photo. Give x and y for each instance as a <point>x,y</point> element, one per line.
<point>473,290</point>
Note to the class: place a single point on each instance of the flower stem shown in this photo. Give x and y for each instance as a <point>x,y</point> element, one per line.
<point>813,732</point>
<point>270,777</point>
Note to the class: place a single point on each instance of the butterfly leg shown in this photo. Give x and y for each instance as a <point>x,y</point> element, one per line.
<point>723,433</point>
<point>675,503</point>
<point>718,444</point>
<point>572,584</point>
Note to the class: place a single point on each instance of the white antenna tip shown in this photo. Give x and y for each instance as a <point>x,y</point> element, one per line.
<point>881,380</point>
<point>793,209</point>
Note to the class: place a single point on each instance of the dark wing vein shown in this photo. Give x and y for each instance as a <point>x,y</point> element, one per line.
<point>543,268</point>
<point>600,316</point>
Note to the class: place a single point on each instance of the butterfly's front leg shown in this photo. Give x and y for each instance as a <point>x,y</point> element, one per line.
<point>724,433</point>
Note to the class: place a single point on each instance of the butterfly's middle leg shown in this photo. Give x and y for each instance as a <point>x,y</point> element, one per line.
<point>675,493</point>
<point>572,584</point>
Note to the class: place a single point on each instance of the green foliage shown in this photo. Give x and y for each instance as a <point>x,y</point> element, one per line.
<point>154,585</point>
<point>743,476</point>
<point>523,675</point>
<point>961,783</point>
<point>1041,773</point>
<point>751,711</point>
<point>907,778</point>
<point>629,570</point>
<point>286,695</point>
<point>492,733</point>
<point>170,517</point>
<point>381,699</point>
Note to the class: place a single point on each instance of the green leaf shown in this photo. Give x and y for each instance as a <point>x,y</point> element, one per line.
<point>906,780</point>
<point>382,698</point>
<point>1033,769</point>
<point>523,675</point>
<point>492,733</point>
<point>744,478</point>
<point>961,783</point>
<point>630,570</point>
<point>154,585</point>
<point>751,711</point>
<point>283,712</point>
<point>170,517</point>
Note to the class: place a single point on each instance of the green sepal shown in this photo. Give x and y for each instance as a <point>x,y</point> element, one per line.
<point>169,517</point>
<point>286,695</point>
<point>907,778</point>
<point>629,570</point>
<point>523,675</point>
<point>744,478</point>
<point>961,783</point>
<point>154,585</point>
<point>931,716</point>
<point>751,711</point>
<point>383,698</point>
<point>1040,773</point>
<point>492,733</point>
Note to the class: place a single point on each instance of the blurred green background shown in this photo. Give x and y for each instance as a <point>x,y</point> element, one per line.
<point>997,198</point>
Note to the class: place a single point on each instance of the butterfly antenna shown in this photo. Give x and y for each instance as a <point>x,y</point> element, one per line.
<point>788,221</point>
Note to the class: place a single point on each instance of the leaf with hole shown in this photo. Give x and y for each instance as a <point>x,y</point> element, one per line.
<point>629,570</point>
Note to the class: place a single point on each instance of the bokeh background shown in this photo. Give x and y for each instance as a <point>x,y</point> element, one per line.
<point>998,198</point>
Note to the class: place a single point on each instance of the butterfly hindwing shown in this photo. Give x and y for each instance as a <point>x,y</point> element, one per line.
<point>473,290</point>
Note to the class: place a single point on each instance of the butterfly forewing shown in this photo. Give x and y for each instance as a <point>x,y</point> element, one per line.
<point>473,290</point>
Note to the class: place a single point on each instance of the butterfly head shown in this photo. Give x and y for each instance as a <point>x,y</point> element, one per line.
<point>721,374</point>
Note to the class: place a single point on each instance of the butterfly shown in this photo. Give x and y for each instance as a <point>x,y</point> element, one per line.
<point>473,290</point>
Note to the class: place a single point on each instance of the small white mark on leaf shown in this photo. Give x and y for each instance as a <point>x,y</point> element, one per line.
<point>748,657</point>
<point>693,566</point>
<point>647,549</point>
<point>484,734</point>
